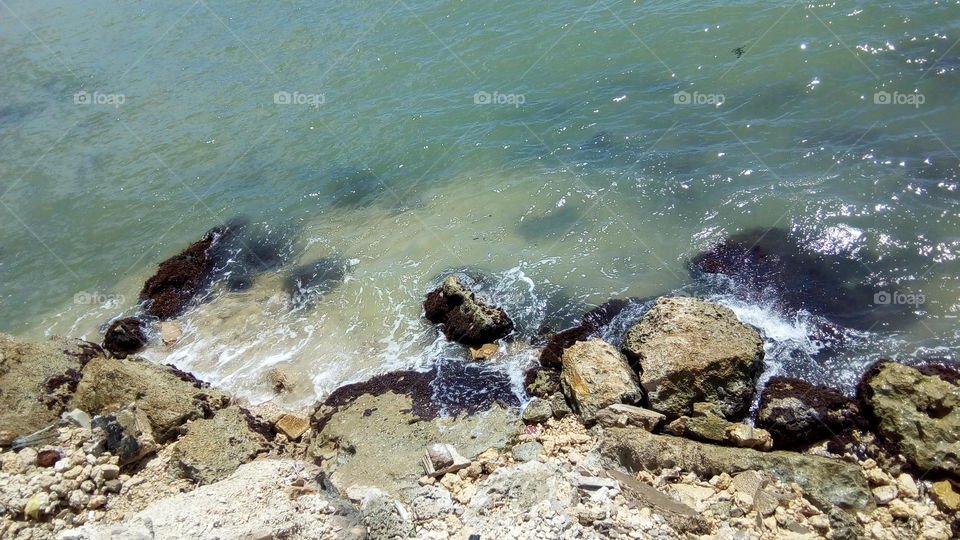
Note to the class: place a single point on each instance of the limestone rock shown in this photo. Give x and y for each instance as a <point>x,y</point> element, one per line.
<point>292,426</point>
<point>212,449</point>
<point>595,375</point>
<point>429,502</point>
<point>797,413</point>
<point>745,436</point>
<point>125,433</point>
<point>37,380</point>
<point>168,396</point>
<point>620,415</point>
<point>385,517</point>
<point>690,350</point>
<point>522,486</point>
<point>537,411</point>
<point>465,318</point>
<point>946,495</point>
<point>706,428</point>
<point>440,459</point>
<point>678,515</point>
<point>919,414</point>
<point>484,352</point>
<point>527,451</point>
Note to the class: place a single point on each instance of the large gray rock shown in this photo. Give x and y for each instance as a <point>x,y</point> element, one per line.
<point>37,380</point>
<point>690,350</point>
<point>212,449</point>
<point>826,482</point>
<point>169,397</point>
<point>919,414</point>
<point>596,375</point>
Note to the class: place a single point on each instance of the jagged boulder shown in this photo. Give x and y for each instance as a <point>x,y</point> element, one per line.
<point>691,350</point>
<point>168,396</point>
<point>596,375</point>
<point>37,380</point>
<point>124,337</point>
<point>918,414</point>
<point>465,318</point>
<point>797,413</point>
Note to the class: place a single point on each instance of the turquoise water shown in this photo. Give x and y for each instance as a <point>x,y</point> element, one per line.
<point>587,175</point>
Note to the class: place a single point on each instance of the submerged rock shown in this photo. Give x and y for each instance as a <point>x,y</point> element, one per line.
<point>124,337</point>
<point>308,282</point>
<point>596,375</point>
<point>798,413</point>
<point>463,317</point>
<point>183,276</point>
<point>919,415</point>
<point>691,350</point>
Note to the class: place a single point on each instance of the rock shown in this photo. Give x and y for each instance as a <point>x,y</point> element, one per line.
<point>125,337</point>
<point>168,396</point>
<point>385,518</point>
<point>28,455</point>
<point>37,380</point>
<point>484,352</point>
<point>919,415</point>
<point>797,413</point>
<point>77,418</point>
<point>6,438</point>
<point>590,325</point>
<point>292,426</point>
<point>181,277</point>
<point>907,486</point>
<point>884,494</point>
<point>707,428</point>
<point>825,481</point>
<point>440,459</point>
<point>126,433</point>
<point>210,450</point>
<point>946,496</point>
<point>170,332</point>
<point>34,509</point>
<point>745,436</point>
<point>522,486</point>
<point>620,415</point>
<point>307,283</point>
<point>537,411</point>
<point>430,502</point>
<point>542,382</point>
<point>705,408</point>
<point>110,471</point>
<point>593,483</point>
<point>680,516</point>
<point>527,451</point>
<point>465,318</point>
<point>558,403</point>
<point>280,380</point>
<point>691,350</point>
<point>596,375</point>
<point>47,458</point>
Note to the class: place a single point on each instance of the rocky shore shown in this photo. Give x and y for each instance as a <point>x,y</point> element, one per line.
<point>653,439</point>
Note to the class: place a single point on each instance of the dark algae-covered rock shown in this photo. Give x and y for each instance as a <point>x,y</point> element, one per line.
<point>308,282</point>
<point>125,336</point>
<point>796,412</point>
<point>590,325</point>
<point>463,317</point>
<point>181,277</point>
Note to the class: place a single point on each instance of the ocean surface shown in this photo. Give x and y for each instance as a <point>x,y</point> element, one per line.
<point>562,153</point>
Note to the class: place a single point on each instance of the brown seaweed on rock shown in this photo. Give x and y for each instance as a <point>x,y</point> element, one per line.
<point>465,318</point>
<point>124,337</point>
<point>592,322</point>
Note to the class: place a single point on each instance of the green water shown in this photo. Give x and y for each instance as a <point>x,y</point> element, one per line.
<point>601,182</point>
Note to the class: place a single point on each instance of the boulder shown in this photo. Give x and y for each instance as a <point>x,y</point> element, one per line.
<point>37,380</point>
<point>590,325</point>
<point>596,375</point>
<point>527,451</point>
<point>211,449</point>
<point>125,433</point>
<point>744,436</point>
<point>168,396</point>
<point>690,350</point>
<point>919,415</point>
<point>797,413</point>
<point>826,482</point>
<point>124,337</point>
<point>706,428</point>
<point>537,411</point>
<point>465,318</point>
<point>620,415</point>
<point>522,487</point>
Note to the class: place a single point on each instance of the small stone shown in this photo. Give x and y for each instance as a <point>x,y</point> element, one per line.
<point>440,459</point>
<point>34,507</point>
<point>907,486</point>
<point>484,352</point>
<point>621,415</point>
<point>110,472</point>
<point>28,456</point>
<point>559,405</point>
<point>6,438</point>
<point>170,332</point>
<point>820,523</point>
<point>61,465</point>
<point>745,436</point>
<point>292,426</point>
<point>884,494</point>
<point>112,486</point>
<point>537,411</point>
<point>96,502</point>
<point>945,496</point>
<point>87,486</point>
<point>528,451</point>
<point>48,458</point>
<point>78,418</point>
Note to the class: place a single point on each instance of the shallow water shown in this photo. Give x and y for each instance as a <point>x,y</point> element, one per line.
<point>603,182</point>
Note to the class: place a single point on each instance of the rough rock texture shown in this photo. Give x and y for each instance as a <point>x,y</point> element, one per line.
<point>125,433</point>
<point>596,375</point>
<point>706,428</point>
<point>744,436</point>
<point>827,482</point>
<point>691,350</point>
<point>37,380</point>
<point>264,499</point>
<point>211,449</point>
<point>797,413</point>
<point>590,325</point>
<point>168,396</point>
<point>620,415</point>
<point>181,277</point>
<point>918,414</point>
<point>465,318</point>
<point>124,337</point>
